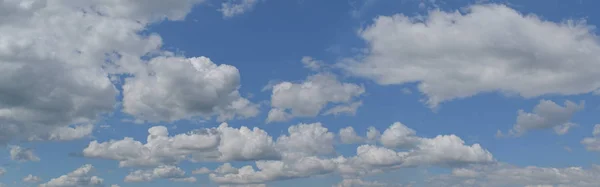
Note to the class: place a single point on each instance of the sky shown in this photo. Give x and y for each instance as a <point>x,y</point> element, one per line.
<point>341,93</point>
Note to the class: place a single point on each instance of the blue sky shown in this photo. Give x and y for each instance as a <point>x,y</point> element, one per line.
<point>463,93</point>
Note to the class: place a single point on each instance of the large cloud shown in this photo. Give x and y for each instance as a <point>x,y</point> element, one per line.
<point>308,98</point>
<point>74,48</point>
<point>180,88</point>
<point>79,178</point>
<point>442,151</point>
<point>486,48</point>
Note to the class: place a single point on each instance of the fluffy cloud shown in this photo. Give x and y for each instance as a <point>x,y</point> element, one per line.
<point>441,151</point>
<point>75,49</point>
<point>2,171</point>
<point>485,48</point>
<point>233,8</point>
<point>221,144</point>
<point>349,136</point>
<point>399,136</point>
<point>201,171</point>
<point>501,175</point>
<point>360,183</point>
<point>162,172</point>
<point>78,178</point>
<point>311,96</point>
<point>546,114</point>
<point>31,179</point>
<point>307,140</point>
<point>593,143</point>
<point>215,144</point>
<point>22,155</point>
<point>180,88</point>
<point>276,170</point>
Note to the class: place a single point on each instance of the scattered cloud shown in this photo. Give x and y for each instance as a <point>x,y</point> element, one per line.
<point>31,179</point>
<point>22,155</point>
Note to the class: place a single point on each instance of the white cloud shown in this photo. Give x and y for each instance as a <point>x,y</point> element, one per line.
<point>349,136</point>
<point>2,171</point>
<point>307,140</point>
<point>399,136</point>
<point>593,143</point>
<point>441,151</point>
<point>350,109</point>
<point>360,183</point>
<point>233,8</point>
<point>276,170</point>
<point>501,175</point>
<point>308,98</point>
<point>31,179</point>
<point>22,155</point>
<point>215,144</point>
<point>547,114</point>
<point>115,185</point>
<point>177,88</point>
<point>221,144</point>
<point>78,178</point>
<point>201,171</point>
<point>487,48</point>
<point>67,44</point>
<point>65,133</point>
<point>312,64</point>
<point>172,173</point>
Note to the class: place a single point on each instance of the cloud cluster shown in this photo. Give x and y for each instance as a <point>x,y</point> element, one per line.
<point>75,49</point>
<point>81,177</point>
<point>162,172</point>
<point>500,175</point>
<point>485,48</point>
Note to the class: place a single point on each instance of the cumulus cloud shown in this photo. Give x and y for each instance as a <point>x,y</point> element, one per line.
<point>172,173</point>
<point>221,144</point>
<point>214,144</point>
<point>349,136</point>
<point>442,151</point>
<point>500,175</point>
<point>309,98</point>
<point>78,178</point>
<point>485,48</point>
<point>545,115</point>
<point>593,143</point>
<point>76,49</point>
<point>31,179</point>
<point>361,183</point>
<point>233,8</point>
<point>201,171</point>
<point>20,154</point>
<point>180,88</point>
